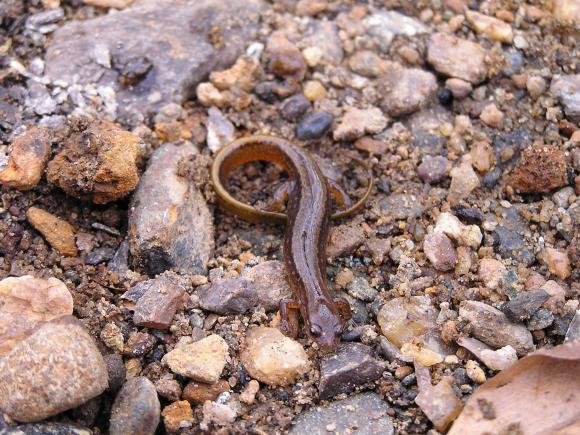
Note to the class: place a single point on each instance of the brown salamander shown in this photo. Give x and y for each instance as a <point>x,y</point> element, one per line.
<point>308,216</point>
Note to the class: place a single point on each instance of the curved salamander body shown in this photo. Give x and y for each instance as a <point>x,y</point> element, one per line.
<point>308,215</point>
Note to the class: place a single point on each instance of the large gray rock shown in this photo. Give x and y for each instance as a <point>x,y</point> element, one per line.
<point>155,52</point>
<point>361,414</point>
<point>170,224</point>
<point>567,90</point>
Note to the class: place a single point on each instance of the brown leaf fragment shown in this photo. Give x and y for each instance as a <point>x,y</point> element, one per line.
<point>537,395</point>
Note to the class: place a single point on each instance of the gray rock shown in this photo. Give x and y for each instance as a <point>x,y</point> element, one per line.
<point>155,302</point>
<point>524,305</point>
<point>314,125</point>
<point>354,364</point>
<point>400,206</point>
<point>509,236</point>
<point>136,409</point>
<point>45,429</point>
<point>170,43</point>
<point>170,224</point>
<point>358,309</point>
<point>385,25</point>
<point>491,326</point>
<point>362,414</point>
<point>100,255</point>
<point>120,261</point>
<point>360,288</point>
<point>294,107</point>
<point>541,319</point>
<point>228,296</point>
<point>425,126</point>
<point>220,131</point>
<point>271,283</point>
<point>324,35</point>
<point>567,90</point>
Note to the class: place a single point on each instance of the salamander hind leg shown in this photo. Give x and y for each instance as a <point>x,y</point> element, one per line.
<point>289,311</point>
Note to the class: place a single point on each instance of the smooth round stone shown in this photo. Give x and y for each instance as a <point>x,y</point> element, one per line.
<point>136,409</point>
<point>314,125</point>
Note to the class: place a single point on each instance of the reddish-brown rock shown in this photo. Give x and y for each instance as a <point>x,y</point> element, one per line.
<point>541,168</point>
<point>28,155</point>
<point>57,232</point>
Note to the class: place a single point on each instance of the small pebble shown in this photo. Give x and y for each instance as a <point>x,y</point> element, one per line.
<point>59,233</point>
<point>474,372</point>
<point>177,416</point>
<point>294,107</point>
<point>440,251</point>
<point>492,116</point>
<point>136,409</point>
<point>314,126</point>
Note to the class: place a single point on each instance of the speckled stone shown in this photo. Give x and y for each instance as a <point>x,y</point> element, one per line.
<point>136,409</point>
<point>57,368</point>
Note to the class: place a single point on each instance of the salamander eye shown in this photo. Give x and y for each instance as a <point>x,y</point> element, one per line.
<point>316,330</point>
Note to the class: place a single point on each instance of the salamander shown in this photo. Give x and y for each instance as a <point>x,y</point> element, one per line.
<point>307,215</point>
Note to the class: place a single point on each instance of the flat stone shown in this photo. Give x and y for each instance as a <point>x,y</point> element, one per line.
<point>314,125</point>
<point>155,302</point>
<point>220,131</point>
<point>27,301</point>
<point>203,360</point>
<point>272,358</point>
<point>323,35</point>
<point>58,367</point>
<point>463,181</point>
<point>360,288</point>
<point>358,122</point>
<point>499,359</point>
<point>456,57</point>
<point>178,63</point>
<point>491,326</point>
<point>558,263</point>
<point>228,296</point>
<point>45,429</point>
<point>491,272</point>
<point>57,232</point>
<point>98,162</point>
<point>344,239</point>
<point>509,236</point>
<point>405,90</point>
<point>367,64</point>
<point>182,239</point>
<point>440,404</point>
<point>136,409</point>
<point>567,90</point>
<point>271,283</point>
<point>400,206</point>
<point>354,364</point>
<point>440,251</point>
<point>541,319</point>
<point>28,155</point>
<point>363,414</point>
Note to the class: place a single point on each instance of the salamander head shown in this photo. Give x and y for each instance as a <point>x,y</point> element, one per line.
<point>325,327</point>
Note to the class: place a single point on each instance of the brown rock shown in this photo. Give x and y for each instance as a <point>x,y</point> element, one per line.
<point>459,88</point>
<point>440,403</point>
<point>117,4</point>
<point>371,146</point>
<point>541,168</point>
<point>366,63</point>
<point>491,272</point>
<point>463,181</point>
<point>455,57</point>
<point>228,296</point>
<point>482,156</point>
<point>170,225</point>
<point>58,367</point>
<point>440,251</point>
<point>249,394</point>
<point>272,358</point>
<point>199,393</point>
<point>168,387</point>
<point>492,116</point>
<point>271,283</point>
<point>178,415</point>
<point>285,59</point>
<point>491,27</point>
<point>310,7</point>
<point>28,155</point>
<point>136,409</point>
<point>57,232</point>
<point>27,301</point>
<point>155,302</point>
<point>97,163</point>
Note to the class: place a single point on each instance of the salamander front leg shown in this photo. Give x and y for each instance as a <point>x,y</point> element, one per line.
<point>289,311</point>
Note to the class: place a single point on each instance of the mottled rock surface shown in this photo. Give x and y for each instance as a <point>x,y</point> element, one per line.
<point>228,296</point>
<point>97,163</point>
<point>540,169</point>
<point>456,57</point>
<point>174,39</point>
<point>271,283</point>
<point>58,367</point>
<point>27,301</point>
<point>170,225</point>
<point>567,90</point>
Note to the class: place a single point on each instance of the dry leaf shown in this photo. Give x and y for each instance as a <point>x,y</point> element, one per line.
<point>540,394</point>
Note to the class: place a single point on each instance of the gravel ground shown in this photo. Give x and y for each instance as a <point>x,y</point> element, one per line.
<point>115,256</point>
